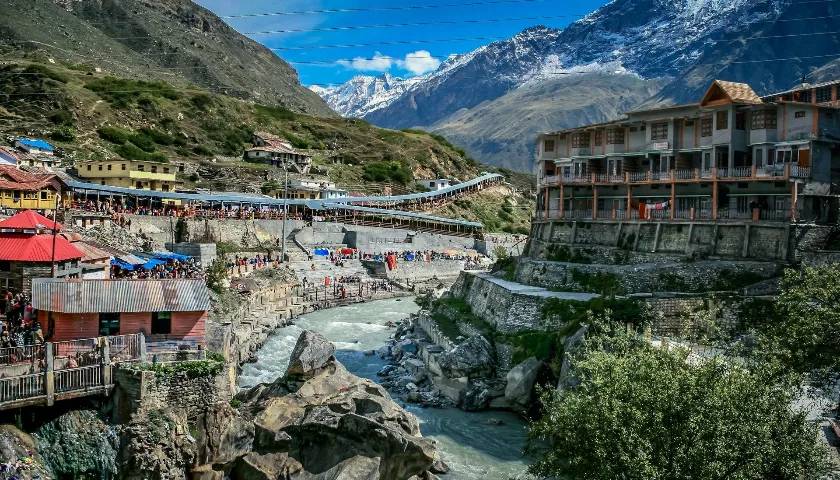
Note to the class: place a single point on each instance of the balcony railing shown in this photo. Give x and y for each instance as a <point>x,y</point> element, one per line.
<point>736,173</point>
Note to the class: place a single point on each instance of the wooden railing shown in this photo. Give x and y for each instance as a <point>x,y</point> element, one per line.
<point>65,369</point>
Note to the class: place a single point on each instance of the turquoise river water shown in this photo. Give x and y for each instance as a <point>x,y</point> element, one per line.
<point>474,445</point>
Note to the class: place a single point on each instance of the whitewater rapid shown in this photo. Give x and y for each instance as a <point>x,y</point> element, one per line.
<point>477,446</point>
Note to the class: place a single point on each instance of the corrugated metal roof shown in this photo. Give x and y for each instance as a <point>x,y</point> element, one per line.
<point>120,296</point>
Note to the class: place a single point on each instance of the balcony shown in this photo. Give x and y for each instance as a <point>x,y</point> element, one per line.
<point>163,177</point>
<point>739,174</point>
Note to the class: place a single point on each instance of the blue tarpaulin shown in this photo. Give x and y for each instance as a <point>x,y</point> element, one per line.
<point>322,252</point>
<point>409,257</point>
<point>152,263</point>
<point>170,256</point>
<point>123,265</point>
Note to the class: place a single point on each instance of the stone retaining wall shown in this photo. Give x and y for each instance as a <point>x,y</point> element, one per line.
<point>136,389</point>
<point>417,272</point>
<point>766,241</point>
<point>652,277</point>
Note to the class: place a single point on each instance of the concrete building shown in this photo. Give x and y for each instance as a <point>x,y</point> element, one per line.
<point>26,190</point>
<point>434,184</point>
<point>130,174</point>
<point>163,310</point>
<point>34,145</point>
<point>277,152</point>
<point>311,189</point>
<point>731,156</point>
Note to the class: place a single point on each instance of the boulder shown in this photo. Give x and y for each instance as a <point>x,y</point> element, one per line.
<point>476,398</point>
<point>18,451</point>
<point>472,358</point>
<point>520,382</point>
<point>311,353</point>
<point>570,346</point>
<point>333,425</point>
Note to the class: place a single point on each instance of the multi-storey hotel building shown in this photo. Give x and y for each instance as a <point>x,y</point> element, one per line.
<point>733,156</point>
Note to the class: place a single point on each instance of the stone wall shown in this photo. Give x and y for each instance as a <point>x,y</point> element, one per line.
<point>417,272</point>
<point>135,389</point>
<point>646,277</point>
<point>693,316</point>
<point>727,240</point>
<point>203,252</point>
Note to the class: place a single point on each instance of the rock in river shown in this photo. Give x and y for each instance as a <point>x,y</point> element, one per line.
<point>332,425</point>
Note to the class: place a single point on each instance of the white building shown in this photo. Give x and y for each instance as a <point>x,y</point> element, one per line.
<point>434,184</point>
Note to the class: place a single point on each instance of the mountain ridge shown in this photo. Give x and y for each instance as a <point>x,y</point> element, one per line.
<point>680,45</point>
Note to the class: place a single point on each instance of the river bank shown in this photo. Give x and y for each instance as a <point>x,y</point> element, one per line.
<point>481,445</point>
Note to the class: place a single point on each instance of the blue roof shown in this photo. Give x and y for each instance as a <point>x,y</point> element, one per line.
<point>36,143</point>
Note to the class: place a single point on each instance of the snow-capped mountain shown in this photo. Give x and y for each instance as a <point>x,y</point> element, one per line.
<point>363,94</point>
<point>688,42</point>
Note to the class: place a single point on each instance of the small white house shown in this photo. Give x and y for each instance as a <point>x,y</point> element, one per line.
<point>434,184</point>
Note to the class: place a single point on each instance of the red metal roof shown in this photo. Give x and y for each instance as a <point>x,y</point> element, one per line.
<point>16,247</point>
<point>29,220</point>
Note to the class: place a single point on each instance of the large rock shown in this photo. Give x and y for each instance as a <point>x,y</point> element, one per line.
<point>570,346</point>
<point>520,382</point>
<point>311,353</point>
<point>79,444</point>
<point>18,450</point>
<point>322,422</point>
<point>472,358</point>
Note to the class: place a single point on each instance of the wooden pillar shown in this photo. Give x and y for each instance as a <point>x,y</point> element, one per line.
<point>105,347</point>
<point>562,201</point>
<point>628,209</point>
<point>49,374</point>
<point>594,202</point>
<point>673,196</point>
<point>545,200</point>
<point>714,194</point>
<point>794,200</point>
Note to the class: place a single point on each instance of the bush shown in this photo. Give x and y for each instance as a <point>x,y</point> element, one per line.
<point>201,101</point>
<point>115,135</point>
<point>129,151</point>
<point>61,117</point>
<point>122,93</point>
<point>266,113</point>
<point>387,171</point>
<point>47,72</point>
<point>63,134</point>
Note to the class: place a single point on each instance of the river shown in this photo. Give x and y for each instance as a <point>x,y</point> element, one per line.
<point>474,445</point>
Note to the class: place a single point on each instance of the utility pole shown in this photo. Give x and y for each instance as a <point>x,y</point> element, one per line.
<point>285,210</point>
<point>54,232</point>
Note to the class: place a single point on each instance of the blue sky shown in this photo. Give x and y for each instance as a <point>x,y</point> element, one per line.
<point>400,50</point>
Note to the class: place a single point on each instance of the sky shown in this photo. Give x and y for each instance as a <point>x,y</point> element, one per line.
<point>328,44</point>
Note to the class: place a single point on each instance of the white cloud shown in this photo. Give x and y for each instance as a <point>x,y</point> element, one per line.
<point>378,63</point>
<point>419,62</point>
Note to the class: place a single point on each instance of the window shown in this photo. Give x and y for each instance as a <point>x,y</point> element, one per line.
<point>161,323</point>
<point>123,166</point>
<point>88,168</point>
<point>823,94</point>
<point>615,136</point>
<point>722,120</point>
<point>100,167</point>
<point>154,168</point>
<point>771,156</point>
<point>165,169</point>
<point>804,96</point>
<point>580,140</point>
<point>548,145</point>
<point>109,167</point>
<point>141,167</point>
<point>799,114</point>
<point>659,131</point>
<point>5,267</point>
<point>109,324</point>
<point>688,123</point>
<point>763,119</point>
<point>139,184</point>
<point>740,121</point>
<point>599,137</point>
<point>706,127</point>
<point>43,195</point>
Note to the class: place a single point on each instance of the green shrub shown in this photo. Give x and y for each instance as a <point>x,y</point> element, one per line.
<point>129,151</point>
<point>115,135</point>
<point>387,171</point>
<point>61,117</point>
<point>267,113</point>
<point>201,101</point>
<point>47,72</point>
<point>63,134</point>
<point>603,283</point>
<point>122,93</point>
<point>142,141</point>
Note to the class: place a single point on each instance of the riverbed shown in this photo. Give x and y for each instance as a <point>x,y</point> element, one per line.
<point>482,445</point>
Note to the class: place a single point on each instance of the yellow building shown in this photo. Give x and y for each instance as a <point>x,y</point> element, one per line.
<point>25,190</point>
<point>130,174</point>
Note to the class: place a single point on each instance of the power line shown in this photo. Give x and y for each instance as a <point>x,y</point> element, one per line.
<point>411,24</point>
<point>378,9</point>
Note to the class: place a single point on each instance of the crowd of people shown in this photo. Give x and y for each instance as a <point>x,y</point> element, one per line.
<point>20,327</point>
<point>171,269</point>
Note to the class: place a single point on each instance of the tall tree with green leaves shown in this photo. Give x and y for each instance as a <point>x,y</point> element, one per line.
<point>645,413</point>
<point>805,333</point>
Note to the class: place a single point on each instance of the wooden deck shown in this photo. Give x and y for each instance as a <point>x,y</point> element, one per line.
<point>43,374</point>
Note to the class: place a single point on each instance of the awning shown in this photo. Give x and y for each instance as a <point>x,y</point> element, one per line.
<point>122,265</point>
<point>169,256</point>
